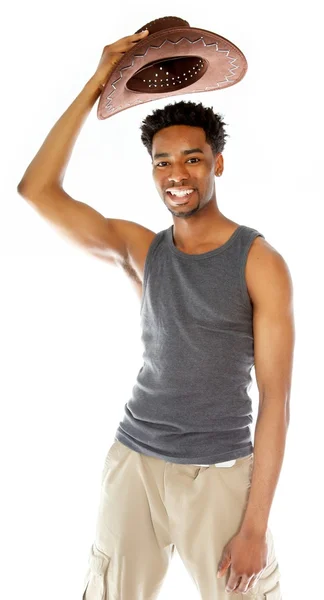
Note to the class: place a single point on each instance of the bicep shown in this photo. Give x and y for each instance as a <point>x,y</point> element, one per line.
<point>273,325</point>
<point>78,221</point>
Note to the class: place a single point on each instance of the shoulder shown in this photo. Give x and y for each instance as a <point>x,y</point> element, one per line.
<point>267,273</point>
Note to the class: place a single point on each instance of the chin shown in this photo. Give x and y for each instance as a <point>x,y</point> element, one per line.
<point>184,214</point>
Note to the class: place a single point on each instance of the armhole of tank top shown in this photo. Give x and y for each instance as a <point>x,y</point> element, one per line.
<point>245,293</point>
<point>147,264</point>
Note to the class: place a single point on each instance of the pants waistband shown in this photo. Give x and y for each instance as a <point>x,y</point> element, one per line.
<point>227,463</point>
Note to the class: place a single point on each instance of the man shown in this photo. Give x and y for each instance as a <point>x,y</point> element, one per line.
<point>216,298</point>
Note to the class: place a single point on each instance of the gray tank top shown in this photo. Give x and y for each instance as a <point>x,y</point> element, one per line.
<point>190,403</point>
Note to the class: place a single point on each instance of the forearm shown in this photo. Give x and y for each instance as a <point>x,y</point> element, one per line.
<point>49,165</point>
<point>269,448</point>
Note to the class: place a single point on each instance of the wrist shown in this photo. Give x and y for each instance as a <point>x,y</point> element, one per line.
<point>95,85</point>
<point>253,529</point>
<point>99,80</point>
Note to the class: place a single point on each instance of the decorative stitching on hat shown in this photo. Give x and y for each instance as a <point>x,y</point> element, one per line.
<point>109,97</point>
<point>163,19</point>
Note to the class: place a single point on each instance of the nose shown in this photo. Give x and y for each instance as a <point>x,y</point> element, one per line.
<point>178,173</point>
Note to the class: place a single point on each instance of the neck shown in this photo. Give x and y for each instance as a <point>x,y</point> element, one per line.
<point>204,227</point>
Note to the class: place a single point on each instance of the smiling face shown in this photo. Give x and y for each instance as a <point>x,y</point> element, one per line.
<point>183,160</point>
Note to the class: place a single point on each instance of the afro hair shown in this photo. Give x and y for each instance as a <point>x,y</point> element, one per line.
<point>185,113</point>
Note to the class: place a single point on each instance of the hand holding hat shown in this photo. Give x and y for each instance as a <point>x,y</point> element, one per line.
<point>113,53</point>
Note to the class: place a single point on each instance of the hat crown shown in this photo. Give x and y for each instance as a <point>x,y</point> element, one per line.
<point>164,23</point>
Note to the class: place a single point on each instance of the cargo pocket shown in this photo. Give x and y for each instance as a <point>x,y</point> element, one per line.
<point>95,584</point>
<point>268,587</point>
<point>274,594</point>
<point>271,589</point>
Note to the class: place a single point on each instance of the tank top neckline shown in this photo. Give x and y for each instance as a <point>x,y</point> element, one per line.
<point>185,255</point>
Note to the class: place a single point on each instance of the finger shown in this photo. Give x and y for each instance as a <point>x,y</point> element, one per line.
<point>137,40</point>
<point>253,582</point>
<point>244,585</point>
<point>232,583</point>
<point>137,36</point>
<point>130,40</point>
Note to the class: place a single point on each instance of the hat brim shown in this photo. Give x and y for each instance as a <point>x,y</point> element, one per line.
<point>224,66</point>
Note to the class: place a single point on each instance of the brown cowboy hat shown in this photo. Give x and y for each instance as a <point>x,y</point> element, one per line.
<point>172,59</point>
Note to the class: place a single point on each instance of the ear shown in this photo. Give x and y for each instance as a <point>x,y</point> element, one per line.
<point>219,164</point>
<point>220,161</point>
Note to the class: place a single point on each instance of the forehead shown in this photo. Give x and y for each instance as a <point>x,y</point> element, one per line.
<point>177,138</point>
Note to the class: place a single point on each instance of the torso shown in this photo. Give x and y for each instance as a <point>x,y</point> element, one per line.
<point>134,265</point>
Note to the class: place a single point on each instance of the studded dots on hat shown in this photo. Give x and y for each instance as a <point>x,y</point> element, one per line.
<point>174,73</point>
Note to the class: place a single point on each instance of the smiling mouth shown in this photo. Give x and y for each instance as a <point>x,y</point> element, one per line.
<point>178,200</point>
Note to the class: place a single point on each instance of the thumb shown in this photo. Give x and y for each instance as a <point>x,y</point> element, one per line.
<point>223,565</point>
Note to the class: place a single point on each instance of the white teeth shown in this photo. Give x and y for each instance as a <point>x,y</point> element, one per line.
<point>180,193</point>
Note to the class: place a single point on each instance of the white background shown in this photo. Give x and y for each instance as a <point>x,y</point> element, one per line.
<point>70,336</point>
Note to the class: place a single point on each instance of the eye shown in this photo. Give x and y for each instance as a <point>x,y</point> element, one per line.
<point>164,163</point>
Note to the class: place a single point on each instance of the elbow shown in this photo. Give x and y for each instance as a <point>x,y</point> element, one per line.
<point>22,189</point>
<point>26,190</point>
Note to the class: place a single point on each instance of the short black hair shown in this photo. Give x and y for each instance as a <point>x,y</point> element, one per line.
<point>185,113</point>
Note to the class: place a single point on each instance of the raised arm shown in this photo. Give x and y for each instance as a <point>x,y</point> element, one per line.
<point>42,183</point>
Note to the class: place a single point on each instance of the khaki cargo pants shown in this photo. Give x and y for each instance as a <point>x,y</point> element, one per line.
<point>149,506</point>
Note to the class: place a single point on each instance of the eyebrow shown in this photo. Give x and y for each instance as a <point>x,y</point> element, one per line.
<point>184,152</point>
